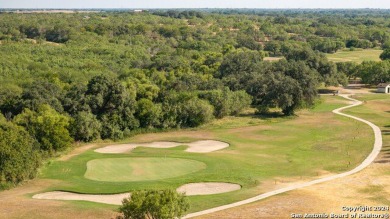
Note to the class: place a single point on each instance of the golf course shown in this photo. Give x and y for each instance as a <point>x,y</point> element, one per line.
<point>168,112</point>
<point>262,152</point>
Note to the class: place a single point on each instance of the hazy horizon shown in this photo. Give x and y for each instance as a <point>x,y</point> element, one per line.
<point>154,4</point>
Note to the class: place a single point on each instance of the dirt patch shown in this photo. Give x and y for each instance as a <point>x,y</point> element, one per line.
<point>77,151</point>
<point>208,188</point>
<point>115,199</point>
<point>272,59</point>
<point>16,203</point>
<point>178,136</point>
<point>381,106</point>
<point>358,89</point>
<point>204,146</point>
<point>354,190</point>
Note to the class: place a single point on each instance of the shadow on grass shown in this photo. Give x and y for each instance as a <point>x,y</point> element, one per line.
<point>382,161</point>
<point>326,91</point>
<point>265,116</point>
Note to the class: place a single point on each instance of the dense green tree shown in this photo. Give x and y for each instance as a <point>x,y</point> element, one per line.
<point>386,45</point>
<point>318,62</point>
<point>240,62</point>
<point>148,113</point>
<point>326,45</point>
<point>111,102</point>
<point>165,204</point>
<point>47,126</point>
<point>248,42</point>
<point>358,43</point>
<point>42,92</point>
<point>348,68</point>
<point>85,127</point>
<point>57,34</point>
<point>111,127</point>
<point>74,100</point>
<point>10,95</point>
<point>105,94</point>
<point>227,102</point>
<point>278,90</point>
<point>185,110</point>
<point>385,54</point>
<point>273,47</point>
<point>306,77</point>
<point>374,72</point>
<point>19,157</point>
<point>194,112</point>
<point>281,20</point>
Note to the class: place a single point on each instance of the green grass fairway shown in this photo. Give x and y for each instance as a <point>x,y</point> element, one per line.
<point>140,169</point>
<point>355,56</point>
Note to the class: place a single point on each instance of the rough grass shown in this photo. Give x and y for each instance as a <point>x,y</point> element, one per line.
<point>261,149</point>
<point>355,56</point>
<point>377,110</point>
<point>140,169</point>
<point>369,187</point>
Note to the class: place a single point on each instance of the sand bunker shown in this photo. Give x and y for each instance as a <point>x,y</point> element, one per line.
<point>208,188</point>
<point>204,146</point>
<point>115,199</point>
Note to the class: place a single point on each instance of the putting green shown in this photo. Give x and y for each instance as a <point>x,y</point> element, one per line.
<point>140,169</point>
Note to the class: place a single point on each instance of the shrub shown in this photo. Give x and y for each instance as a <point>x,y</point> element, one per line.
<point>165,204</point>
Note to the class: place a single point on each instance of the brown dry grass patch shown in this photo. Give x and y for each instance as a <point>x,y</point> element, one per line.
<point>370,187</point>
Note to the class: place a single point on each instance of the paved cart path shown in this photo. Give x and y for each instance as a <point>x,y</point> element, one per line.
<point>370,158</point>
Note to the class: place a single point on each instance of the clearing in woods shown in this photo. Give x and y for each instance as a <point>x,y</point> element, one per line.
<point>358,55</point>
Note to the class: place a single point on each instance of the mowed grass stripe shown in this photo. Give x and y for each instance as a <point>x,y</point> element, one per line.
<point>140,169</point>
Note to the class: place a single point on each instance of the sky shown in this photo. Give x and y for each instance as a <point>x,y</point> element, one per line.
<point>195,4</point>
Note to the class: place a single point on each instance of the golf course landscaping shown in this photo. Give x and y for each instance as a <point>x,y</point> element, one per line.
<point>193,112</point>
<point>263,153</point>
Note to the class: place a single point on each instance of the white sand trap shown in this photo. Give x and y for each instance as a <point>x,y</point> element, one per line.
<point>204,146</point>
<point>115,199</point>
<point>207,188</point>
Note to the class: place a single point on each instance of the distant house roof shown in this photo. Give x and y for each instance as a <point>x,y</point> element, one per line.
<point>383,85</point>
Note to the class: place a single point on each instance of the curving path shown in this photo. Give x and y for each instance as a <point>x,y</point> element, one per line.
<point>371,157</point>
